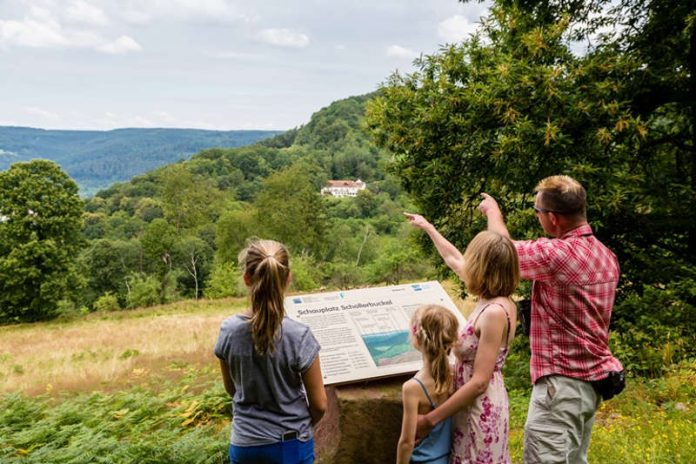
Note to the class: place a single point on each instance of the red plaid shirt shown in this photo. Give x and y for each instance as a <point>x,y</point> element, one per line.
<point>575,279</point>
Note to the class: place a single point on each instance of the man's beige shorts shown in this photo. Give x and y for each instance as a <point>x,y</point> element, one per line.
<point>559,421</point>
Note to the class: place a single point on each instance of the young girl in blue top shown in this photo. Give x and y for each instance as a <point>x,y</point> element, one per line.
<point>270,367</point>
<point>433,333</point>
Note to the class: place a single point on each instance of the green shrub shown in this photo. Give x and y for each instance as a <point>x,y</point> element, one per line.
<point>305,274</point>
<point>106,302</point>
<point>67,309</point>
<point>657,329</point>
<point>225,280</point>
<point>144,291</point>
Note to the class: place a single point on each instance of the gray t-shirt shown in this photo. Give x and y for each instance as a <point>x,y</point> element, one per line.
<point>270,398</point>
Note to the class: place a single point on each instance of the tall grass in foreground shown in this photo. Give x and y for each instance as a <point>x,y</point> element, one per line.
<point>652,422</point>
<point>143,386</point>
<point>187,421</point>
<point>184,422</point>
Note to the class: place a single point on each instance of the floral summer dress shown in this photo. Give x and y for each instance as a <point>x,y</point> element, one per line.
<point>481,430</point>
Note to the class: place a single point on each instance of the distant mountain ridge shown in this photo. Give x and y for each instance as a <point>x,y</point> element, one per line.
<point>96,159</point>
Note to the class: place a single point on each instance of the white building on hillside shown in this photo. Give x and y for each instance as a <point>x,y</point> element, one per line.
<point>343,188</point>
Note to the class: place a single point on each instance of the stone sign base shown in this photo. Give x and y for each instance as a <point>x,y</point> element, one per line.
<point>362,423</point>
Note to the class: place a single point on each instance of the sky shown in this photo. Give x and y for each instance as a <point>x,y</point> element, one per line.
<point>208,64</point>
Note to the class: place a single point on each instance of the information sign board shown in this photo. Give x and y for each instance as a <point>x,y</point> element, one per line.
<point>364,333</point>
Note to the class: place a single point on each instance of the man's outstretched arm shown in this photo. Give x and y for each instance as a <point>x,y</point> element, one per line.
<point>496,223</point>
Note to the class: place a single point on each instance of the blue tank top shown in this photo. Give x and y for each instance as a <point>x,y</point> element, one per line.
<point>434,448</point>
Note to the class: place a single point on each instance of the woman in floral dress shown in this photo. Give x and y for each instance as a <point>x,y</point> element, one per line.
<point>481,429</point>
<point>490,271</point>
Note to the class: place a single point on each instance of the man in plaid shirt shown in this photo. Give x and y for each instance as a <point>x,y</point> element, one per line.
<point>574,282</point>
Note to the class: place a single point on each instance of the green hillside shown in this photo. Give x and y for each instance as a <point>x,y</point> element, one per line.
<point>175,231</point>
<point>96,159</point>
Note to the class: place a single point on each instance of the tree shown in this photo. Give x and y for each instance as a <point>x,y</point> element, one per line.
<point>158,241</point>
<point>224,280</point>
<point>232,231</point>
<point>188,201</point>
<point>195,256</point>
<point>397,261</point>
<point>40,223</point>
<point>108,264</point>
<point>290,209</point>
<point>514,104</point>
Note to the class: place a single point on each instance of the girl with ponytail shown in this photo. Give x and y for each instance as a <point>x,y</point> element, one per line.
<point>270,367</point>
<point>479,406</point>
<point>433,333</point>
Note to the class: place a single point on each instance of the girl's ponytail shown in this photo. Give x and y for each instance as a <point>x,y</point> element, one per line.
<point>265,263</point>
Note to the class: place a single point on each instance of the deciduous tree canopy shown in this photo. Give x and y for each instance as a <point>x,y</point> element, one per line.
<point>599,90</point>
<point>40,221</point>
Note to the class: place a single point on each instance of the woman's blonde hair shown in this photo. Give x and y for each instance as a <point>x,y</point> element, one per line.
<point>265,263</point>
<point>435,330</point>
<point>491,266</point>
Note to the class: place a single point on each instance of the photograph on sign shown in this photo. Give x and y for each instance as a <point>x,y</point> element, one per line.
<point>365,333</point>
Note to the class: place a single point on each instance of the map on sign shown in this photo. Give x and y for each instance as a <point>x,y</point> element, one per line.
<point>364,333</point>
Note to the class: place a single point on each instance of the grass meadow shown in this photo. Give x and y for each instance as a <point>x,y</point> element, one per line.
<point>143,386</point>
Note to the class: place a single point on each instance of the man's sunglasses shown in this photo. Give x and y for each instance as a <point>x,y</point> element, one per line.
<point>544,210</point>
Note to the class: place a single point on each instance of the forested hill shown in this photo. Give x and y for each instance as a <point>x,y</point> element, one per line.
<point>96,159</point>
<point>334,144</point>
<point>175,231</point>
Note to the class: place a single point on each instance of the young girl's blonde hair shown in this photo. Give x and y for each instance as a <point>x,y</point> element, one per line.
<point>435,331</point>
<point>265,262</point>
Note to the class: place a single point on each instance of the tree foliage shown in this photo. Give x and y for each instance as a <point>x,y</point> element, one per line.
<point>290,209</point>
<point>40,222</point>
<point>515,104</point>
<point>602,91</point>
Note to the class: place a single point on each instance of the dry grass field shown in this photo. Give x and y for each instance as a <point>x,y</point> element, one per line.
<point>107,351</point>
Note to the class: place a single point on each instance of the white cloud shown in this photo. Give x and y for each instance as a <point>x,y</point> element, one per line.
<point>284,38</point>
<point>120,46</point>
<point>71,43</point>
<point>136,17</point>
<point>32,33</point>
<point>41,29</point>
<point>456,29</point>
<point>401,52</point>
<point>82,12</point>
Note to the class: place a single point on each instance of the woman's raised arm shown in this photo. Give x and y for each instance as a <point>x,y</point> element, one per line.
<point>452,256</point>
